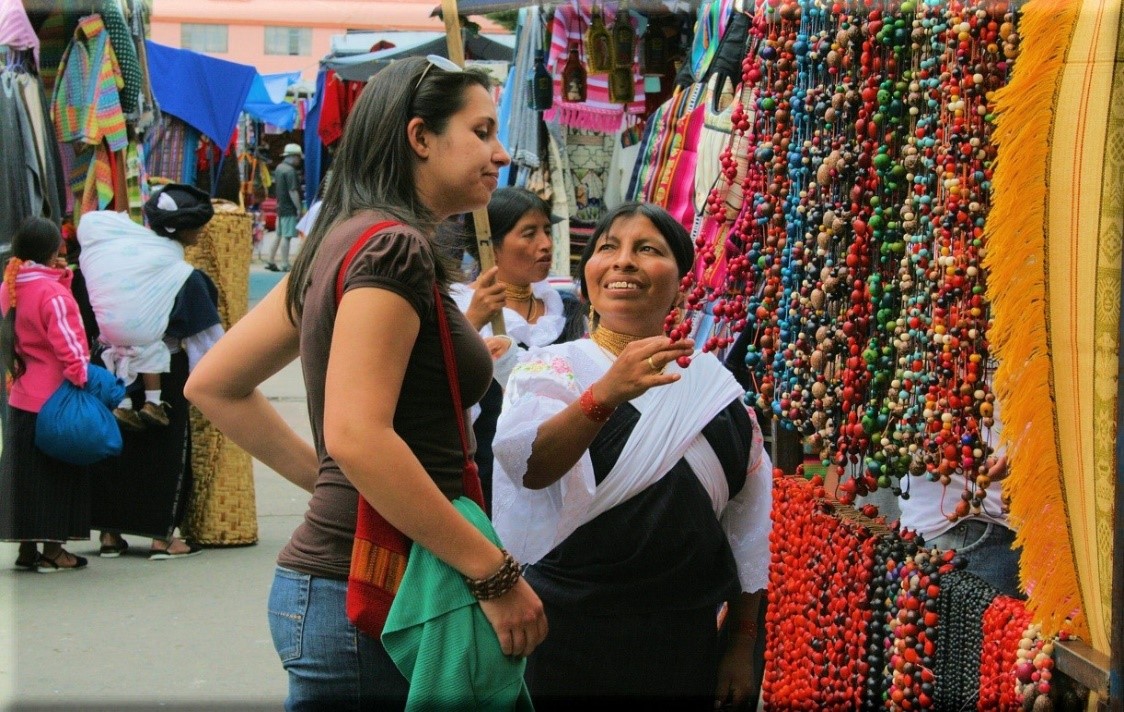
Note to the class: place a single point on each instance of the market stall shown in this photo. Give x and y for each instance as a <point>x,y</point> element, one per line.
<point>878,193</point>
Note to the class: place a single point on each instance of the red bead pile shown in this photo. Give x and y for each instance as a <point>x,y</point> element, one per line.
<point>818,603</point>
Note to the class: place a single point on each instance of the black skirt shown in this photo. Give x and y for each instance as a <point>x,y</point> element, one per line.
<point>145,490</point>
<point>41,498</point>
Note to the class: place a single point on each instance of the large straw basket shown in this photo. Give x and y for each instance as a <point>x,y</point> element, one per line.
<point>222,511</point>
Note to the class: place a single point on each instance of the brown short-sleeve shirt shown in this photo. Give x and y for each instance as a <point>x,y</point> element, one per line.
<point>398,259</point>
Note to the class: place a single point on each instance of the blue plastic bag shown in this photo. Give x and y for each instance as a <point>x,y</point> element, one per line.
<point>76,424</point>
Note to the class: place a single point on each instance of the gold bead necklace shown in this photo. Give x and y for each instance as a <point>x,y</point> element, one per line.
<point>612,341</point>
<point>517,294</point>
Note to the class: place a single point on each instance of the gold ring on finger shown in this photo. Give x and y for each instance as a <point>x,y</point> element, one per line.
<point>655,368</point>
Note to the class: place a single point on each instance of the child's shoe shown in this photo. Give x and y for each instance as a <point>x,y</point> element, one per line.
<point>128,419</point>
<point>155,413</point>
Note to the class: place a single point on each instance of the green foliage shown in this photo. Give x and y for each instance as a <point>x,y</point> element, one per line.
<point>504,18</point>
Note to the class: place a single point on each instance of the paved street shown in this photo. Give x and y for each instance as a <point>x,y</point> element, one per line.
<point>130,633</point>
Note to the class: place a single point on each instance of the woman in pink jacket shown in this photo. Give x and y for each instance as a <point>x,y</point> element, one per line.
<point>41,343</point>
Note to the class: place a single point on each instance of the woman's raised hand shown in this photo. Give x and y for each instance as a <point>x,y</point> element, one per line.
<point>488,299</point>
<point>640,366</point>
<point>498,346</point>
<point>518,619</point>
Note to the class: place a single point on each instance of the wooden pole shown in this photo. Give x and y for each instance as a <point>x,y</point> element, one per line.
<point>479,217</point>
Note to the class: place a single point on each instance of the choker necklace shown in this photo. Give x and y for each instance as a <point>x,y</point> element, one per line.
<point>518,294</point>
<point>612,341</point>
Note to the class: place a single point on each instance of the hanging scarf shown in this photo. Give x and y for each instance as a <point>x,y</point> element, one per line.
<point>523,126</point>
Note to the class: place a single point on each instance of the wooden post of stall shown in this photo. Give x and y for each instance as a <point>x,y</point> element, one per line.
<point>479,217</point>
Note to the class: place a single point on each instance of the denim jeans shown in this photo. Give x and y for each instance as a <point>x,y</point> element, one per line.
<point>331,664</point>
<point>988,549</point>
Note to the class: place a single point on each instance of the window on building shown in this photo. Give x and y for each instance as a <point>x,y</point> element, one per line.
<point>203,38</point>
<point>295,41</point>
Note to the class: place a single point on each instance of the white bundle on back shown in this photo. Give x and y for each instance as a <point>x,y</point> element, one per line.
<point>132,276</point>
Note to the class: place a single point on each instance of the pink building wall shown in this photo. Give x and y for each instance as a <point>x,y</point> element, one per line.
<point>246,21</point>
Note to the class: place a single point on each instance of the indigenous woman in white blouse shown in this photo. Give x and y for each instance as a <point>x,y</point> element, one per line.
<point>637,490</point>
<point>534,312</point>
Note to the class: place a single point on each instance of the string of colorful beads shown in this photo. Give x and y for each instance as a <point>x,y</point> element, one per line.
<point>911,677</point>
<point>1034,670</point>
<point>885,584</point>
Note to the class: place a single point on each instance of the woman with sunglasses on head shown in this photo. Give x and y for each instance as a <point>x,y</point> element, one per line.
<point>534,312</point>
<point>636,490</point>
<point>420,146</point>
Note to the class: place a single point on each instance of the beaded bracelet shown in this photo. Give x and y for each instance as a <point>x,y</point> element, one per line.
<point>498,583</point>
<point>597,412</point>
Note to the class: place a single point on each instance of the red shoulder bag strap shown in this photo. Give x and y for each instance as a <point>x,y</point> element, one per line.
<point>359,243</point>
<point>470,476</point>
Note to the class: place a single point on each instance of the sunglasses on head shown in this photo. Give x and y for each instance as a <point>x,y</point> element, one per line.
<point>436,60</point>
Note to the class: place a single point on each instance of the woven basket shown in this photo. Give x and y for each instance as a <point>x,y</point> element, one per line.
<point>222,510</point>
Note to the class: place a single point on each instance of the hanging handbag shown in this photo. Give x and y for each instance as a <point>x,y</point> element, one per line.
<point>76,425</point>
<point>379,551</point>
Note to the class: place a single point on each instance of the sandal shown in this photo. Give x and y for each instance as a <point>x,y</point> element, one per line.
<point>166,554</point>
<point>112,551</point>
<point>48,565</point>
<point>28,565</point>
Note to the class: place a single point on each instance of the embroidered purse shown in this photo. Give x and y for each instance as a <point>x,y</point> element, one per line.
<point>379,551</point>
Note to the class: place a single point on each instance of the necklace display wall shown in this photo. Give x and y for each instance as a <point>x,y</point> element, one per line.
<point>846,232</point>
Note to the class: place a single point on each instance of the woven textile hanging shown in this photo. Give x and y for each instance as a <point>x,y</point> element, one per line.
<point>1055,259</point>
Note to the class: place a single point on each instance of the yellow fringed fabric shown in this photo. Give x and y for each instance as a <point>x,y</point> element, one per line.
<point>1016,287</point>
<point>1054,256</point>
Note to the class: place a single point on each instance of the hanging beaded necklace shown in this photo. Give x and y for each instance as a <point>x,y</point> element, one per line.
<point>845,231</point>
<point>613,342</point>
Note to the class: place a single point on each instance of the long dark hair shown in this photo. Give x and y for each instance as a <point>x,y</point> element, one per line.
<point>505,209</point>
<point>37,240</point>
<point>374,166</point>
<point>678,239</point>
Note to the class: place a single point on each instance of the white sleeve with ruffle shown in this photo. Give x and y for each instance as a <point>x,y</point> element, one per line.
<point>747,518</point>
<point>532,522</point>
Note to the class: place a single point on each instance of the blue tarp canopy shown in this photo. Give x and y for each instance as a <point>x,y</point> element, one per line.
<point>266,100</point>
<point>210,93</point>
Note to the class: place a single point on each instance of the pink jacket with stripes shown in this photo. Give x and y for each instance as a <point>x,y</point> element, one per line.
<point>49,335</point>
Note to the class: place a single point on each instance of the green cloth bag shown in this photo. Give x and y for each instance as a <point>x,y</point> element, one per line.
<point>441,641</point>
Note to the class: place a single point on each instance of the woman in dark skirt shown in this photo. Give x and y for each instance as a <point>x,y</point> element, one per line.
<point>147,488</point>
<point>42,342</point>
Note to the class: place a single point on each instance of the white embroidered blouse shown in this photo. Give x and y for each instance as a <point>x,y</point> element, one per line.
<point>532,522</point>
